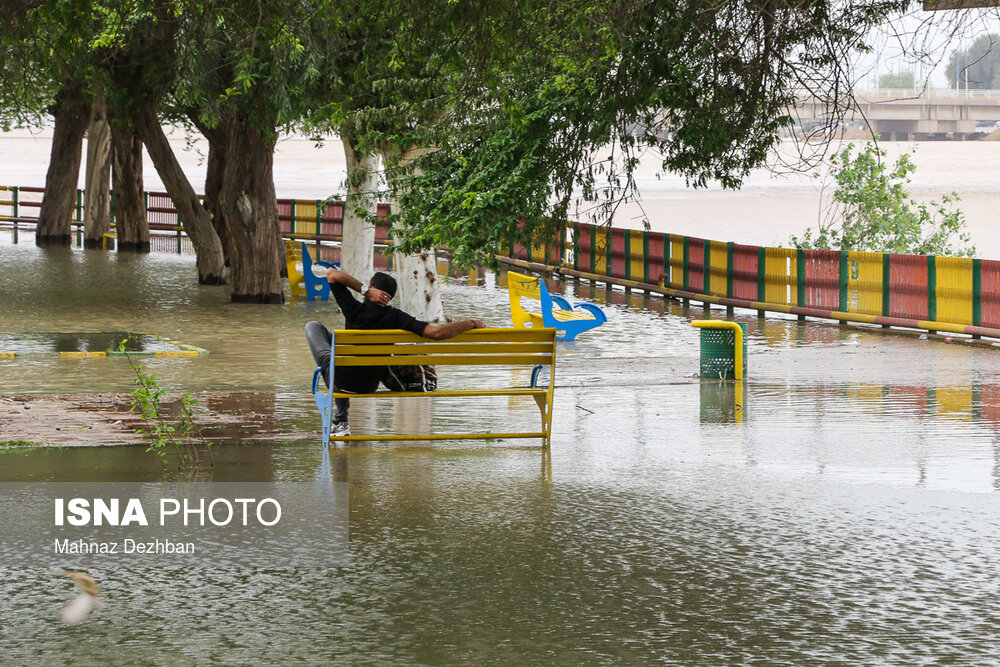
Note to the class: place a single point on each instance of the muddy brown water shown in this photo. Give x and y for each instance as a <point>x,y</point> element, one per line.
<point>847,514</point>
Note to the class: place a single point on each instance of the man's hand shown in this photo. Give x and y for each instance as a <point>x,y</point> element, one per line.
<point>377,296</point>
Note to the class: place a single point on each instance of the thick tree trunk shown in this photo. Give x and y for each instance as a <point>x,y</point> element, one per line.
<point>249,209</point>
<point>358,247</point>
<point>97,196</point>
<point>196,220</point>
<point>72,114</point>
<point>419,287</point>
<point>218,147</point>
<point>130,202</point>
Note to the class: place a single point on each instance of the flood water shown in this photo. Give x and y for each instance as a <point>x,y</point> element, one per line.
<point>846,514</point>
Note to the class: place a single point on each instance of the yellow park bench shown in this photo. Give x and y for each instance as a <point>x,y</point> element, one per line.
<point>478,347</point>
<point>305,282</point>
<point>569,320</point>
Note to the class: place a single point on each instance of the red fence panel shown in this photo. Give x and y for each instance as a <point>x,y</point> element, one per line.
<point>618,254</point>
<point>584,246</point>
<point>331,223</point>
<point>745,272</point>
<point>382,232</point>
<point>160,211</point>
<point>908,286</point>
<point>696,264</point>
<point>285,215</point>
<point>822,279</point>
<point>655,263</point>
<point>990,292</point>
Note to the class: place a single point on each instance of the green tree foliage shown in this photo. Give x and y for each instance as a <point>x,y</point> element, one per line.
<point>872,210</point>
<point>706,86</point>
<point>978,66</point>
<point>904,80</point>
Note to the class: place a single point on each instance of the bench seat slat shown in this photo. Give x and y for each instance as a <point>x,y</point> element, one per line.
<point>566,315</point>
<point>446,347</point>
<point>513,391</point>
<point>349,336</point>
<point>445,359</point>
<point>440,436</point>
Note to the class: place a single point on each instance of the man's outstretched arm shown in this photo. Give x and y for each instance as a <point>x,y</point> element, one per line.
<point>451,329</point>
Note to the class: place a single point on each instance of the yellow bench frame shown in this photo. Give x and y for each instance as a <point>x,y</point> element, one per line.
<point>479,347</point>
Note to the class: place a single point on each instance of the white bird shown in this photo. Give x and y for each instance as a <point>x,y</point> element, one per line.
<point>79,608</point>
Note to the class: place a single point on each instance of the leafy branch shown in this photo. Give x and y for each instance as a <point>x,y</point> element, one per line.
<point>184,436</point>
<point>872,210</point>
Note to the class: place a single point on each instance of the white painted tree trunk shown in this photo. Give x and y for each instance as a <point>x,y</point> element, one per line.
<point>358,249</point>
<point>419,284</point>
<point>97,198</point>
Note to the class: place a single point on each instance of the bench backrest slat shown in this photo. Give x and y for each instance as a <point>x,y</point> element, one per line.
<point>479,347</point>
<point>446,360</point>
<point>443,348</point>
<point>362,336</point>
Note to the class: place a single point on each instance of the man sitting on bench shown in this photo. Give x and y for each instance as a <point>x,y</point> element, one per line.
<point>372,312</point>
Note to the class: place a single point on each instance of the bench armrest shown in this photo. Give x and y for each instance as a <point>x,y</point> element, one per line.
<point>560,301</point>
<point>329,265</point>
<point>315,382</point>
<point>594,310</point>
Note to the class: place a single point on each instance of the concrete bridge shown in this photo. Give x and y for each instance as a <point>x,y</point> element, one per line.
<point>932,113</point>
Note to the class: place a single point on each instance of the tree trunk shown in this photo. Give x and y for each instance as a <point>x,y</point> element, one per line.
<point>97,197</point>
<point>419,287</point>
<point>249,210</point>
<point>358,246</point>
<point>196,220</point>
<point>72,114</point>
<point>218,146</point>
<point>130,202</point>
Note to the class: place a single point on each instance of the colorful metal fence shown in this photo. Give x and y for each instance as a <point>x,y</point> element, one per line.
<point>949,294</point>
<point>958,295</point>
<point>313,219</point>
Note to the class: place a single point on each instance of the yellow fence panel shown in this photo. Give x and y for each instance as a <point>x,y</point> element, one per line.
<point>780,275</point>
<point>719,259</point>
<point>634,255</point>
<point>864,284</point>
<point>305,217</point>
<point>676,261</point>
<point>601,241</point>
<point>954,289</point>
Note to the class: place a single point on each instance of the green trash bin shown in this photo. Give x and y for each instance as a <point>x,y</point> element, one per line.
<point>718,353</point>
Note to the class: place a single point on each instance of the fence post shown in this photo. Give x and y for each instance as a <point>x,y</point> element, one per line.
<point>593,249</point>
<point>845,272</point>
<point>645,258</point>
<point>977,295</point>
<point>16,198</point>
<point>667,250</point>
<point>627,252</point>
<point>886,278</point>
<point>609,244</point>
<point>685,284</point>
<point>800,279</point>
<point>291,218</point>
<point>761,277</point>
<point>730,272</point>
<point>931,289</point>
<point>706,268</point>
<point>576,246</point>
